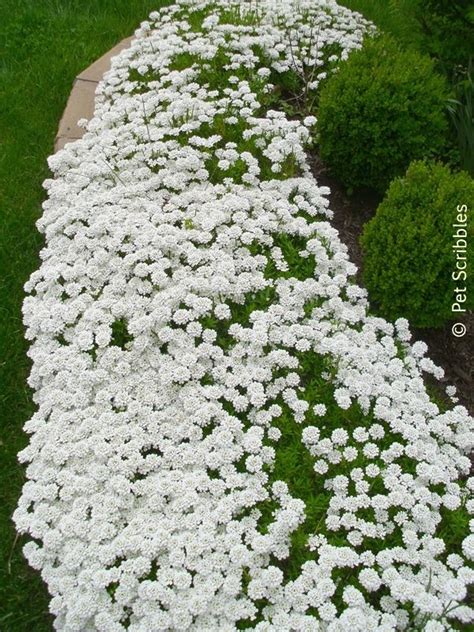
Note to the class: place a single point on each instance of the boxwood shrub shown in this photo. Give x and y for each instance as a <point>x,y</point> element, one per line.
<point>409,247</point>
<point>384,108</point>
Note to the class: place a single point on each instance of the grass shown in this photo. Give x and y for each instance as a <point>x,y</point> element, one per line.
<point>44,46</point>
<point>387,17</point>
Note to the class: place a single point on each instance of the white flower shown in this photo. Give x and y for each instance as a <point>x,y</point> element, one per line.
<point>468,547</point>
<point>319,410</point>
<point>370,579</point>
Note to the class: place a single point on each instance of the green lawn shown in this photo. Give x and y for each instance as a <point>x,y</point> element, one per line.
<point>386,15</point>
<point>44,44</point>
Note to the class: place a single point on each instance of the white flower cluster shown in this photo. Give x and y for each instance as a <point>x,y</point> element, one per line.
<point>195,313</point>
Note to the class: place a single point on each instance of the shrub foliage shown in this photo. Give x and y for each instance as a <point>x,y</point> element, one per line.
<point>408,246</point>
<point>448,29</point>
<point>384,108</point>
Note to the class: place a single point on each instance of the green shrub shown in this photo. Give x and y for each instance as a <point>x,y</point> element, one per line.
<point>381,110</point>
<point>408,246</point>
<point>447,28</point>
<point>443,29</point>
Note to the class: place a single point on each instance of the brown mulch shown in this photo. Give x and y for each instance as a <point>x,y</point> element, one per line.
<point>454,355</point>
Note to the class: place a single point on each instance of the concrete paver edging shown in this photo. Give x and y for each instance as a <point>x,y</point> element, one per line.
<point>81,101</point>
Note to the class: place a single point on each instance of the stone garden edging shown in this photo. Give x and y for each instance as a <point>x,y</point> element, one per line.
<point>82,98</point>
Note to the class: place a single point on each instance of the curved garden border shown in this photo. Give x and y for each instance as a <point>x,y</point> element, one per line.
<point>179,334</point>
<point>82,98</point>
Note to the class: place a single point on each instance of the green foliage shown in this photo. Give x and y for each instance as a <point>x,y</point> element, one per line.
<point>461,110</point>
<point>381,110</point>
<point>408,246</point>
<point>447,28</point>
<point>443,29</point>
<point>120,335</point>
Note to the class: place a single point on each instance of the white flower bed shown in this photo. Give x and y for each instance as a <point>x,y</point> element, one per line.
<point>195,313</point>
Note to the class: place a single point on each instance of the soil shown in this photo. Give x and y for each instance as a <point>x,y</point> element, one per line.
<point>454,355</point>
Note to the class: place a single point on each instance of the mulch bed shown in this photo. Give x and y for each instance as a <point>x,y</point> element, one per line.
<point>454,355</point>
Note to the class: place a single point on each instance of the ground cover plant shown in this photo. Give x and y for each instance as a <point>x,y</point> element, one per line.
<point>225,438</point>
